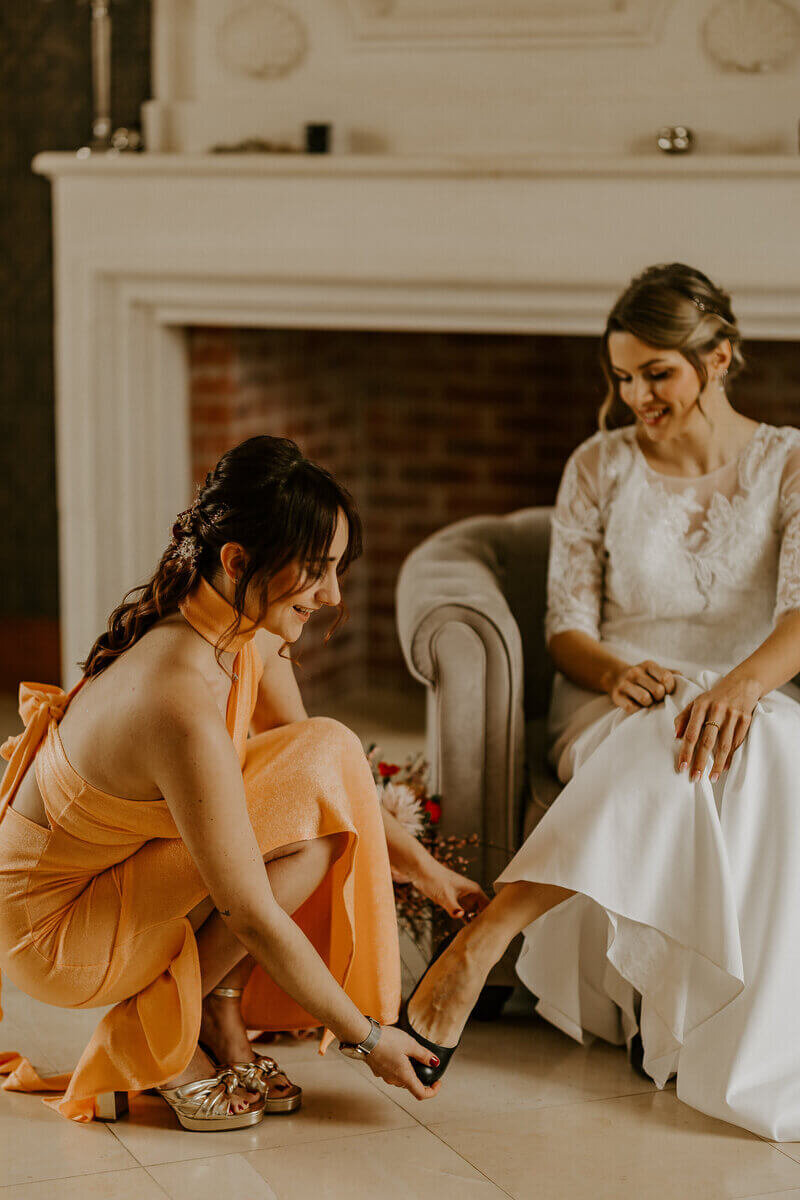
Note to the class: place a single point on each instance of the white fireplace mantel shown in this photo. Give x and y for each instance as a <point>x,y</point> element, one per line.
<point>145,245</point>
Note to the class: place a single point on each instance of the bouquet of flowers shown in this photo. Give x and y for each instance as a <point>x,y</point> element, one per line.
<point>404,791</point>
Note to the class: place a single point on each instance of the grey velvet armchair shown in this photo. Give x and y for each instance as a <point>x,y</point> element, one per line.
<point>470,608</point>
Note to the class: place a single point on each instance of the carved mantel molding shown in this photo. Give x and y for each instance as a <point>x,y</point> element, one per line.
<point>454,23</point>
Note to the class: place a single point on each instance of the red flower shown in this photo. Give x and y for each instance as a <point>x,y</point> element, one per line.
<point>434,811</point>
<point>387,770</point>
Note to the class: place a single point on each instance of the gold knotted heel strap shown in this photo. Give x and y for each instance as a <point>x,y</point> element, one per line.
<point>206,1104</point>
<point>266,1077</point>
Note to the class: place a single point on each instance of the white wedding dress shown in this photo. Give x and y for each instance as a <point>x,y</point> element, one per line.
<point>686,922</point>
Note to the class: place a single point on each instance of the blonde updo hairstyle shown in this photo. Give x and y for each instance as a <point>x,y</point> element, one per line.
<point>671,307</point>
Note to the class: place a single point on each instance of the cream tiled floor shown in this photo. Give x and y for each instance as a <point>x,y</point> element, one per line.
<point>524,1113</point>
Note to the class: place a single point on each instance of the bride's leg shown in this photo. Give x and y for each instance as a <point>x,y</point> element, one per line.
<point>446,996</point>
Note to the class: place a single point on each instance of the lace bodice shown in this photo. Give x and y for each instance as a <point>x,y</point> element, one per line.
<point>694,570</point>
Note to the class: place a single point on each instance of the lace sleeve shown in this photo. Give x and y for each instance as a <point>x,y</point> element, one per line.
<point>788,594</point>
<point>575,573</point>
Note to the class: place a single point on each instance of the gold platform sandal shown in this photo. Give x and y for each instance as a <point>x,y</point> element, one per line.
<point>262,1075</point>
<point>204,1106</point>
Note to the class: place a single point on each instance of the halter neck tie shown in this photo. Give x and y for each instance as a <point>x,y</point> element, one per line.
<point>210,614</point>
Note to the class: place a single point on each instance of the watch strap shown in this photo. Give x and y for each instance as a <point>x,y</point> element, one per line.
<point>370,1041</point>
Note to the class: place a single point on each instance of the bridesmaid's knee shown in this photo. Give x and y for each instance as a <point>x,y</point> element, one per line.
<point>329,846</point>
<point>326,732</point>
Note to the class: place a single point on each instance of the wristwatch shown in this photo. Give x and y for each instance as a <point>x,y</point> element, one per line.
<point>363,1049</point>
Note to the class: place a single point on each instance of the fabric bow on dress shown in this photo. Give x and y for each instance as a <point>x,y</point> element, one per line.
<point>39,703</point>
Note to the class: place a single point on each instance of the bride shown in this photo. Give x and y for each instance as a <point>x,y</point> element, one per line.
<point>660,896</point>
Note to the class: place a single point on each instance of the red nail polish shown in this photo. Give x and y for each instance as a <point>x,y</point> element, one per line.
<point>435,1061</point>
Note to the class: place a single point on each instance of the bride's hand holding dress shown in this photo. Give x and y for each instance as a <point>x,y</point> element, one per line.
<point>715,724</point>
<point>585,660</point>
<point>640,686</point>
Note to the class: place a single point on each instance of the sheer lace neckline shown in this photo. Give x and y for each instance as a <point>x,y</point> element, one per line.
<point>695,570</point>
<point>690,479</point>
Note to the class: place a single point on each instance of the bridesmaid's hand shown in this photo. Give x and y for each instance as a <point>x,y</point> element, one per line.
<point>714,725</point>
<point>640,686</point>
<point>457,895</point>
<point>390,1061</point>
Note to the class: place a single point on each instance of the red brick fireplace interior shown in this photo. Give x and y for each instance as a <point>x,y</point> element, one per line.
<point>424,429</point>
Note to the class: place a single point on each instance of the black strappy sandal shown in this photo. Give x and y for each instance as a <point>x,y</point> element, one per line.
<point>425,1074</point>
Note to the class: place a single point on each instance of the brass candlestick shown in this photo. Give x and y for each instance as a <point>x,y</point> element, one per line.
<point>104,141</point>
<point>101,74</point>
<point>101,79</point>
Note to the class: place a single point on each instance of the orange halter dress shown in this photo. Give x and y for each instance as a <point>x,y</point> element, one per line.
<point>93,909</point>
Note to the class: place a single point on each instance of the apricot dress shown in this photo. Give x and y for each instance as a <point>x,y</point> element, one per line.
<point>93,909</point>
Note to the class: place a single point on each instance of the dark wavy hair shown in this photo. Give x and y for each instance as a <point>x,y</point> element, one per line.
<point>278,505</point>
<point>673,307</point>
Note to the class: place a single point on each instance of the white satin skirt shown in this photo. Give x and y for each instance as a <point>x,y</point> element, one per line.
<point>686,921</point>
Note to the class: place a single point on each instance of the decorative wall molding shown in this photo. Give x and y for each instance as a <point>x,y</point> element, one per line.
<point>541,76</point>
<point>262,40</point>
<point>454,23</point>
<point>752,36</point>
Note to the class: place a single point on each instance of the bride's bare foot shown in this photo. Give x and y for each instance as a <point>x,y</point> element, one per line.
<point>201,1067</point>
<point>449,991</point>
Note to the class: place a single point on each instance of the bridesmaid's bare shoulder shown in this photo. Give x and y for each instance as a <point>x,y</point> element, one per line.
<point>155,695</point>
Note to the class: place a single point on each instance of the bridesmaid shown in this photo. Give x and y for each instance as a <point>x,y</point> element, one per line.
<point>147,844</point>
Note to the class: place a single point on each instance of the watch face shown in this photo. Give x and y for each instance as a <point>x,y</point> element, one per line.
<point>352,1052</point>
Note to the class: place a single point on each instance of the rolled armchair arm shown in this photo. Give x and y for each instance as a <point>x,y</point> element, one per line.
<point>460,574</point>
<point>460,638</point>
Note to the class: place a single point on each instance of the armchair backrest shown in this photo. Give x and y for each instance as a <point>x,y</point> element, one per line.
<point>513,549</point>
<point>496,565</point>
<point>526,552</point>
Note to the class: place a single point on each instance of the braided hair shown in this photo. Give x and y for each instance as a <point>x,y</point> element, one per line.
<point>264,494</point>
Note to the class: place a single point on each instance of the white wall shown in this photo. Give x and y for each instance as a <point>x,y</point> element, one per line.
<point>432,91</point>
